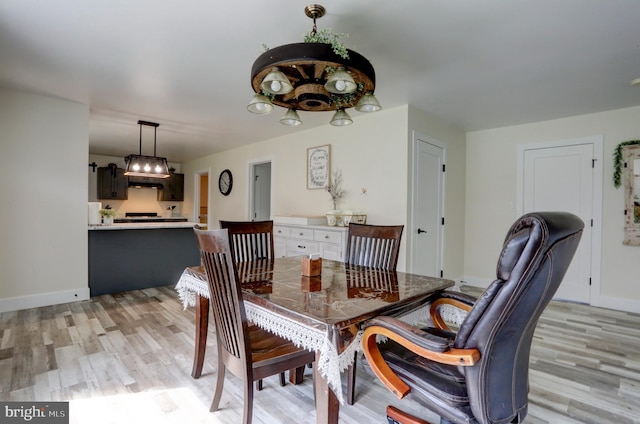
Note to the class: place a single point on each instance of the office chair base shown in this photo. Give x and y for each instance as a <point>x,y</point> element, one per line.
<point>396,416</point>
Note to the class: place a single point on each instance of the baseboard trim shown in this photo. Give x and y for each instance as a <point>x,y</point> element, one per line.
<point>482,283</point>
<point>608,302</point>
<point>617,303</point>
<point>43,299</point>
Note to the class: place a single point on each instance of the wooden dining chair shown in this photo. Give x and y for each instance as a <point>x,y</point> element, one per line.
<point>247,351</point>
<point>250,240</point>
<point>371,246</point>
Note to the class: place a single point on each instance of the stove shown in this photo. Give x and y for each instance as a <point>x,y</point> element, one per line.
<point>131,217</point>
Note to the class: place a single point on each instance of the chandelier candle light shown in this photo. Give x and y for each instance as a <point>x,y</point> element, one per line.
<point>318,75</point>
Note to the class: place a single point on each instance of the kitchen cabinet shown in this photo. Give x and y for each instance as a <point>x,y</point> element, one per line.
<point>299,240</point>
<point>173,188</point>
<point>125,258</point>
<point>112,183</point>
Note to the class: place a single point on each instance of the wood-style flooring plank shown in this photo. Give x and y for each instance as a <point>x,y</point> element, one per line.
<point>126,358</point>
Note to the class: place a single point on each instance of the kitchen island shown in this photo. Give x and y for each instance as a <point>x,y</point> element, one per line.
<point>132,256</point>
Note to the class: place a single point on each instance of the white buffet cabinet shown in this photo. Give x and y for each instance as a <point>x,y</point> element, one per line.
<point>297,240</point>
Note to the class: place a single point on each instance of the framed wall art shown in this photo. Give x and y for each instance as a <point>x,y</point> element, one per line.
<point>318,167</point>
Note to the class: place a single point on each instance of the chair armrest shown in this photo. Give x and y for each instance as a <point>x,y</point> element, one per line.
<point>450,298</point>
<point>417,341</point>
<point>459,296</point>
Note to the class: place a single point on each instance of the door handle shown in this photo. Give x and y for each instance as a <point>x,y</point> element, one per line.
<point>420,231</point>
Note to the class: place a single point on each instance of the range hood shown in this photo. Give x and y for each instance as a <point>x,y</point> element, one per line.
<point>145,184</point>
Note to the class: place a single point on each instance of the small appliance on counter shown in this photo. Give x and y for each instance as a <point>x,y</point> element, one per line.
<point>131,217</point>
<point>94,213</point>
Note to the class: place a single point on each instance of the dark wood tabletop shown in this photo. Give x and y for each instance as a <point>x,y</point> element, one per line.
<point>341,298</point>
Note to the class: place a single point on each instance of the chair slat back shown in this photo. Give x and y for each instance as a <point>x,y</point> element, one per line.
<point>250,240</point>
<point>225,292</point>
<point>374,246</point>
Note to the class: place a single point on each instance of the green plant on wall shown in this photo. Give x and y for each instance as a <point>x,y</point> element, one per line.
<point>617,161</point>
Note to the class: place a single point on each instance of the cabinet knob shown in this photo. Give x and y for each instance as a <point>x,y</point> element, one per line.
<point>326,237</point>
<point>302,247</point>
<point>301,234</point>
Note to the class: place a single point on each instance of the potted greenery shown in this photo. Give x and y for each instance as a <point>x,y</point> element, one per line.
<point>107,216</point>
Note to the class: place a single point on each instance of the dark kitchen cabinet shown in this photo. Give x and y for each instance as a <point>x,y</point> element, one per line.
<point>134,259</point>
<point>112,183</point>
<point>173,189</point>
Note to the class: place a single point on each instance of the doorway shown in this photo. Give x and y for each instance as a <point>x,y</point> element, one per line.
<point>567,176</point>
<point>201,198</point>
<point>426,230</point>
<point>260,191</point>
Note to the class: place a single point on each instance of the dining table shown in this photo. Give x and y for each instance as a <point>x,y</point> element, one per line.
<point>323,313</point>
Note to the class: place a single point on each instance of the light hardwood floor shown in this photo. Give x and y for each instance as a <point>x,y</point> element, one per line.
<point>127,358</point>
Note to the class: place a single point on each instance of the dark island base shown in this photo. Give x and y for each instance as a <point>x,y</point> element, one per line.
<point>123,260</point>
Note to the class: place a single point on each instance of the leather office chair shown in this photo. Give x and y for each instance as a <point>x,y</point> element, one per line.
<point>481,373</point>
<point>376,247</point>
<point>249,352</point>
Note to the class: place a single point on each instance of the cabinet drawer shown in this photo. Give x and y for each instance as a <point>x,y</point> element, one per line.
<point>327,236</point>
<point>279,248</point>
<point>301,233</point>
<point>331,251</point>
<point>301,247</point>
<point>280,231</point>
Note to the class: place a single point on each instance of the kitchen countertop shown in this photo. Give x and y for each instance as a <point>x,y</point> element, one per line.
<point>143,226</point>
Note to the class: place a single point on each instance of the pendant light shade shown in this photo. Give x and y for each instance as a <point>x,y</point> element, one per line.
<point>291,118</point>
<point>147,166</point>
<point>260,104</point>
<point>276,83</point>
<point>341,118</point>
<point>368,103</point>
<point>340,82</point>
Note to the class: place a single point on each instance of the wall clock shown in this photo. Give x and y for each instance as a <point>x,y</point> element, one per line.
<point>225,182</point>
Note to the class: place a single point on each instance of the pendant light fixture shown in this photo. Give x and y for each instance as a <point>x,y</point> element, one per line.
<point>313,76</point>
<point>147,166</point>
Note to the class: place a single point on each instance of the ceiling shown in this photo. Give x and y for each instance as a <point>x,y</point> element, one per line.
<point>473,64</point>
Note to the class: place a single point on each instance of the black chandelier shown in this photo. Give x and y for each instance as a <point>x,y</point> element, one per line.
<point>147,166</point>
<point>313,76</point>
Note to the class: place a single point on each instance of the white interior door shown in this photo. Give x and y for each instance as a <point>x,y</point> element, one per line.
<point>428,207</point>
<point>561,178</point>
<point>261,192</point>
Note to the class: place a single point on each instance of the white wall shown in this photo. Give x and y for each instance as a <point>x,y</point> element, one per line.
<point>43,219</point>
<point>373,153</point>
<point>491,193</point>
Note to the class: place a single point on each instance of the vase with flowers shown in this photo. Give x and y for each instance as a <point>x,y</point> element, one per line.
<point>336,192</point>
